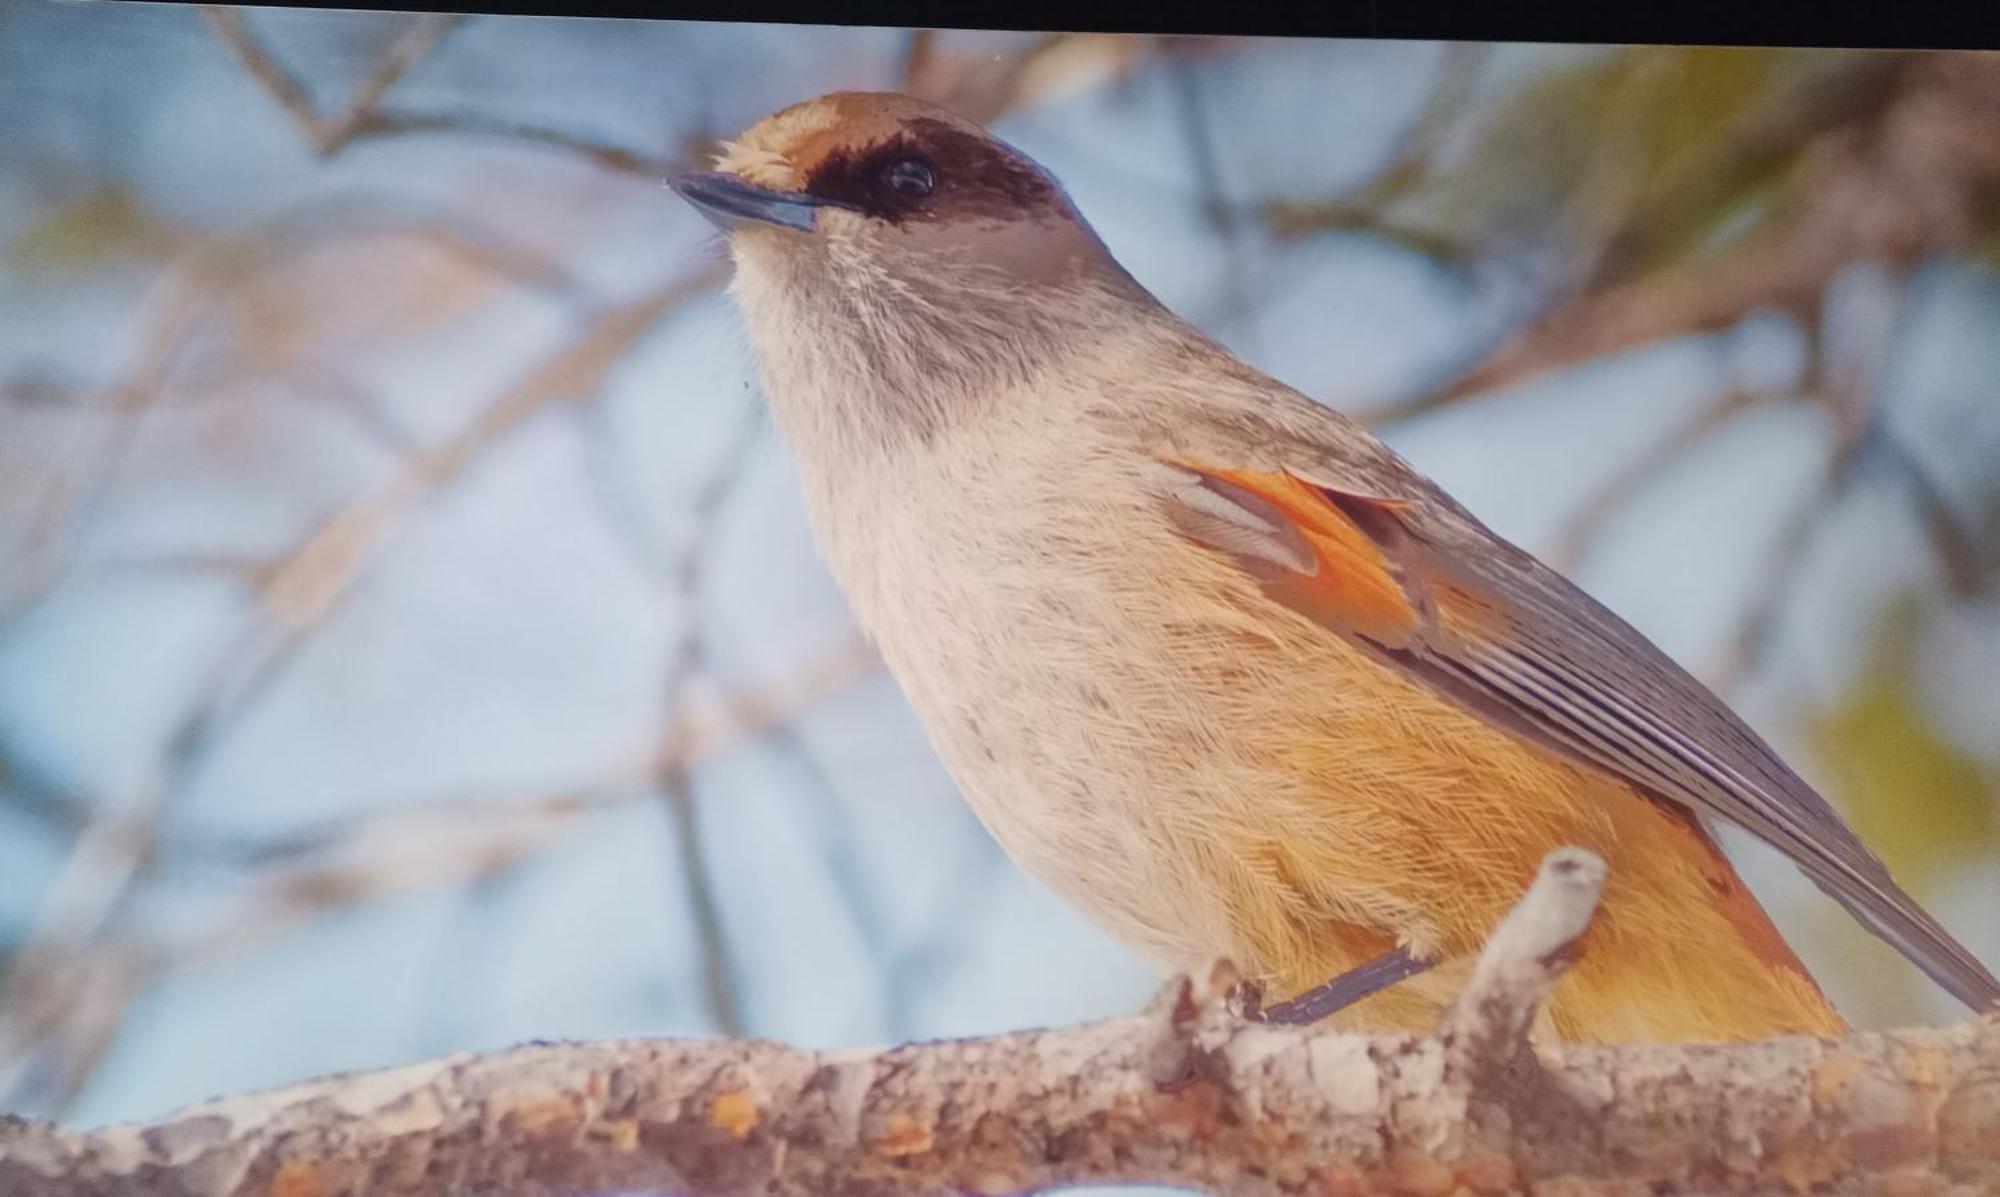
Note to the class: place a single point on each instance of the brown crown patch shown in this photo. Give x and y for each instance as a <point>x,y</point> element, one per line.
<point>977,177</point>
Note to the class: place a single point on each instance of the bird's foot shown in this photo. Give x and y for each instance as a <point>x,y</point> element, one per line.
<point>1348,988</point>
<point>1183,996</point>
<point>1181,1004</point>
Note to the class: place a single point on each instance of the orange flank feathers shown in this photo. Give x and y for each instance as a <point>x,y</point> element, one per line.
<point>1435,800</point>
<point>1356,584</point>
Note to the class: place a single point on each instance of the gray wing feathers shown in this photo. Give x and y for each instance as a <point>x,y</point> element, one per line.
<point>1572,675</point>
<point>1627,707</point>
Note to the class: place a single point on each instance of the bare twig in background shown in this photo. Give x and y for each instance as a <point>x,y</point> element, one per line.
<point>982,878</point>
<point>396,122</point>
<point>1599,507</point>
<point>1205,156</point>
<point>700,730</point>
<point>718,972</point>
<point>919,52</point>
<point>1785,269</point>
<point>328,135</point>
<point>1781,567</point>
<point>1370,208</point>
<point>1459,67</point>
<point>1186,1094</point>
<point>1904,179</point>
<point>1849,393</point>
<point>66,995</point>
<point>113,850</point>
<point>300,589</point>
<point>376,860</point>
<point>984,86</point>
<point>1968,571</point>
<point>682,574</point>
<point>40,800</point>
<point>1848,89</point>
<point>296,595</point>
<point>194,288</point>
<point>673,776</point>
<point>818,799</point>
<point>365,116</point>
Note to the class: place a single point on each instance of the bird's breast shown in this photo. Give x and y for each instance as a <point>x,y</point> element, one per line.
<point>1128,714</point>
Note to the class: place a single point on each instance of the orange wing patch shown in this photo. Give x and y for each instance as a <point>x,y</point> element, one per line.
<point>1358,585</point>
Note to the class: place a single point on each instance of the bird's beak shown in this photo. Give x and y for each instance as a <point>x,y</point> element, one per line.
<point>730,200</point>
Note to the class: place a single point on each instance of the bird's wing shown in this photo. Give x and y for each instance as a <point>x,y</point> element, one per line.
<point>1375,553</point>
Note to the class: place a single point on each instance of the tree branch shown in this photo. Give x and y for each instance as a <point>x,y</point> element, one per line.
<point>1186,1094</point>
<point>1616,493</point>
<point>328,134</point>
<point>1900,176</point>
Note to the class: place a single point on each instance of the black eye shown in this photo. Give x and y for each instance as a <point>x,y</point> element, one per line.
<point>910,178</point>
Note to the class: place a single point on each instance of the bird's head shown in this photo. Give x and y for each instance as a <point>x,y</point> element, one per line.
<point>897,253</point>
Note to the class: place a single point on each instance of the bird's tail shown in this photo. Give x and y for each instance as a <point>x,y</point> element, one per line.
<point>1686,954</point>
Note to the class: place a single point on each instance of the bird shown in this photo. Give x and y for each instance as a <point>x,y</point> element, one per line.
<point>1208,658</point>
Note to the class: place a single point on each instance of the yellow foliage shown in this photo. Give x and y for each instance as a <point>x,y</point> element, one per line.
<point>91,230</point>
<point>1918,800</point>
<point>1601,139</point>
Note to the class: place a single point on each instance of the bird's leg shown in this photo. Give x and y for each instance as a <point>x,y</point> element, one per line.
<point>1347,988</point>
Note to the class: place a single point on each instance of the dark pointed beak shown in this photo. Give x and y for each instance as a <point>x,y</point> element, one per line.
<point>729,200</point>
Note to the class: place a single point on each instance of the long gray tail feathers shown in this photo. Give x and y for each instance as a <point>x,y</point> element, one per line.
<point>1909,928</point>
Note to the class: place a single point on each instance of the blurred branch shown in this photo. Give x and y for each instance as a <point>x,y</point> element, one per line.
<point>328,135</point>
<point>1616,493</point>
<point>817,799</point>
<point>700,730</point>
<point>296,595</point>
<point>718,970</point>
<point>1289,219</point>
<point>1786,268</point>
<point>919,52</point>
<point>67,996</point>
<point>1849,393</point>
<point>375,860</point>
<point>1900,180</point>
<point>1206,160</point>
<point>1849,89</point>
<point>981,879</point>
<point>365,116</point>
<point>60,1006</point>
<point>301,588</point>
<point>818,796</point>
<point>978,86</point>
<point>390,122</point>
<point>185,295</point>
<point>982,87</point>
<point>26,793</point>
<point>1968,570</point>
<point>1410,163</point>
<point>1186,1094</point>
<point>1783,563</point>
<point>66,991</point>
<point>673,773</point>
<point>1416,155</point>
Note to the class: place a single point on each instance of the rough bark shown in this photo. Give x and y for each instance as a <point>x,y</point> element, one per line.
<point>1188,1093</point>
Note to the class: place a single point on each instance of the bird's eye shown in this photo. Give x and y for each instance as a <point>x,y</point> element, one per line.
<point>910,178</point>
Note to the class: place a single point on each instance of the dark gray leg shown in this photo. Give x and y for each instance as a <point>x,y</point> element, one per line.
<point>1347,988</point>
